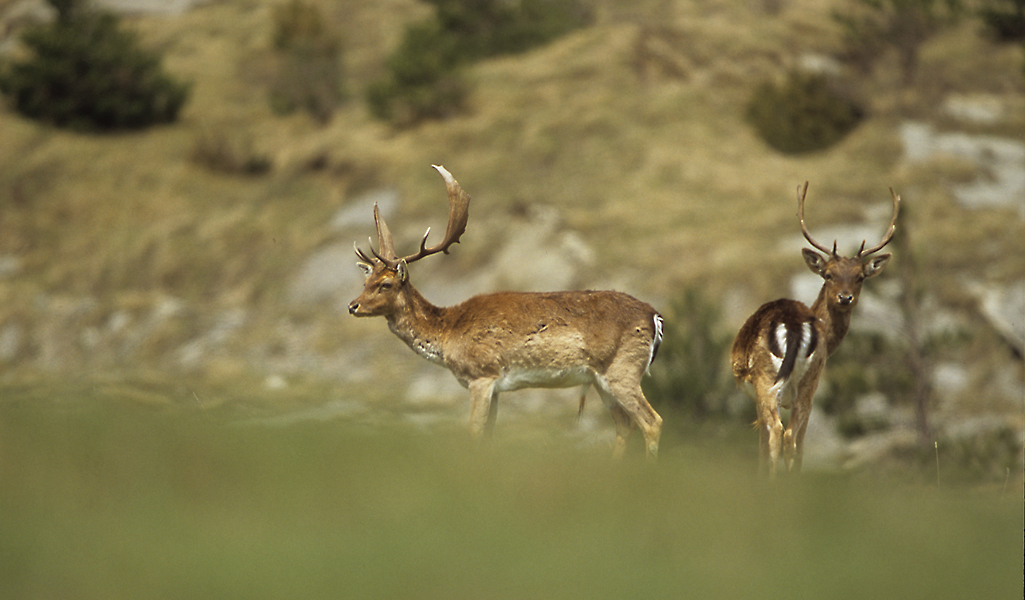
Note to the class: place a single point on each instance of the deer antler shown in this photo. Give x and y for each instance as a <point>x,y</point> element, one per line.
<point>801,193</point>
<point>889,231</point>
<point>458,214</point>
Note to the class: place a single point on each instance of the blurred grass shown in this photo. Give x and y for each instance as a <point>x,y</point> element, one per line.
<point>103,497</point>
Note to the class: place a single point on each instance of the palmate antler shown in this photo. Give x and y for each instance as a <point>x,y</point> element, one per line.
<point>458,213</point>
<point>803,191</point>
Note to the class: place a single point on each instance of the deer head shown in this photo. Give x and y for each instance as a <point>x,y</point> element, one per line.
<point>843,276</point>
<point>387,274</point>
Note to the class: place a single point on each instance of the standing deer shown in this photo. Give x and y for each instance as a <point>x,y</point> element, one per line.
<point>512,340</point>
<point>781,350</point>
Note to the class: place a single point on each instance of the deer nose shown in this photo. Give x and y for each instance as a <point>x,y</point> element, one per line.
<point>845,299</point>
<point>353,307</point>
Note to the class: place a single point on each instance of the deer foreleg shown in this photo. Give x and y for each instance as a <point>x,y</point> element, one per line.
<point>483,407</point>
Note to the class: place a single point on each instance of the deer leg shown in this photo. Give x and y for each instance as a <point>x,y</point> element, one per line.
<point>793,440</point>
<point>619,416</point>
<point>483,407</point>
<point>627,396</point>
<point>770,430</point>
<point>624,427</point>
<point>583,399</point>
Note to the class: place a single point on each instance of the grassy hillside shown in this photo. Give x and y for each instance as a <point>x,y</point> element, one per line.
<point>631,129</point>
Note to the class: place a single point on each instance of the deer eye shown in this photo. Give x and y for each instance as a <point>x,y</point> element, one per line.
<point>828,277</point>
<point>387,285</point>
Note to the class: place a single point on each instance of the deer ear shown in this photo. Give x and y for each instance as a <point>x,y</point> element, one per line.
<point>874,266</point>
<point>366,268</point>
<point>815,261</point>
<point>402,270</point>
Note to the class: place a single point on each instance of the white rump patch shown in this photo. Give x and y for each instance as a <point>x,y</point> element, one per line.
<point>781,342</point>
<point>655,341</point>
<point>786,390</point>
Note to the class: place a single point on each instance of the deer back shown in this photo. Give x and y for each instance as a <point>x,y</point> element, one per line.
<point>491,334</point>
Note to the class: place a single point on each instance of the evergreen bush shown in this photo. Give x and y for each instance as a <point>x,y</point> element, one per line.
<point>424,80</point>
<point>870,28</point>
<point>804,114</point>
<point>85,72</point>
<point>692,368</point>
<point>1004,19</point>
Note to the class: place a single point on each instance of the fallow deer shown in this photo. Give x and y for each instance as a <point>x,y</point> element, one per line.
<point>781,350</point>
<point>512,340</point>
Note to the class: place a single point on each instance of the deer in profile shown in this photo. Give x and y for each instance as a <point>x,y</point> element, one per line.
<point>781,350</point>
<point>507,341</point>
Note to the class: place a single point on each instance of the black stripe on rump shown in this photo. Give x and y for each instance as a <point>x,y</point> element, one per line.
<point>793,343</point>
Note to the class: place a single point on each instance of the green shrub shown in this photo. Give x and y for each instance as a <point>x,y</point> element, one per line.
<point>1004,19</point>
<point>424,80</point>
<point>804,114</point>
<point>865,363</point>
<point>690,372</point>
<point>484,28</point>
<point>309,66</point>
<point>85,72</point>
<point>870,28</point>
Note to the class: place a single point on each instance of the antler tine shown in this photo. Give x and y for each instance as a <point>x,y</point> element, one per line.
<point>889,230</point>
<point>386,254</point>
<point>801,193</point>
<point>458,214</point>
<point>363,255</point>
<point>384,240</point>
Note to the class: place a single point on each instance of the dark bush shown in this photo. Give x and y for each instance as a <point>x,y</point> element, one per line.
<point>424,80</point>
<point>690,372</point>
<point>804,114</point>
<point>484,28</point>
<point>1004,19</point>
<point>85,72</point>
<point>870,28</point>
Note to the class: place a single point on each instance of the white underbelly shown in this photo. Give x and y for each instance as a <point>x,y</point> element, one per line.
<point>515,379</point>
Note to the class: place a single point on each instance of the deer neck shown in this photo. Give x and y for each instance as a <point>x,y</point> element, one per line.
<point>418,323</point>
<point>835,319</point>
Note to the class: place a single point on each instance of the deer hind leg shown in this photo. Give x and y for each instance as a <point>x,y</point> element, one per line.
<point>624,427</point>
<point>770,429</point>
<point>483,407</point>
<point>793,439</point>
<point>629,407</point>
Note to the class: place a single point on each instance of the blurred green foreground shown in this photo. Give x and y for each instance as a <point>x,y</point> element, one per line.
<point>104,499</point>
